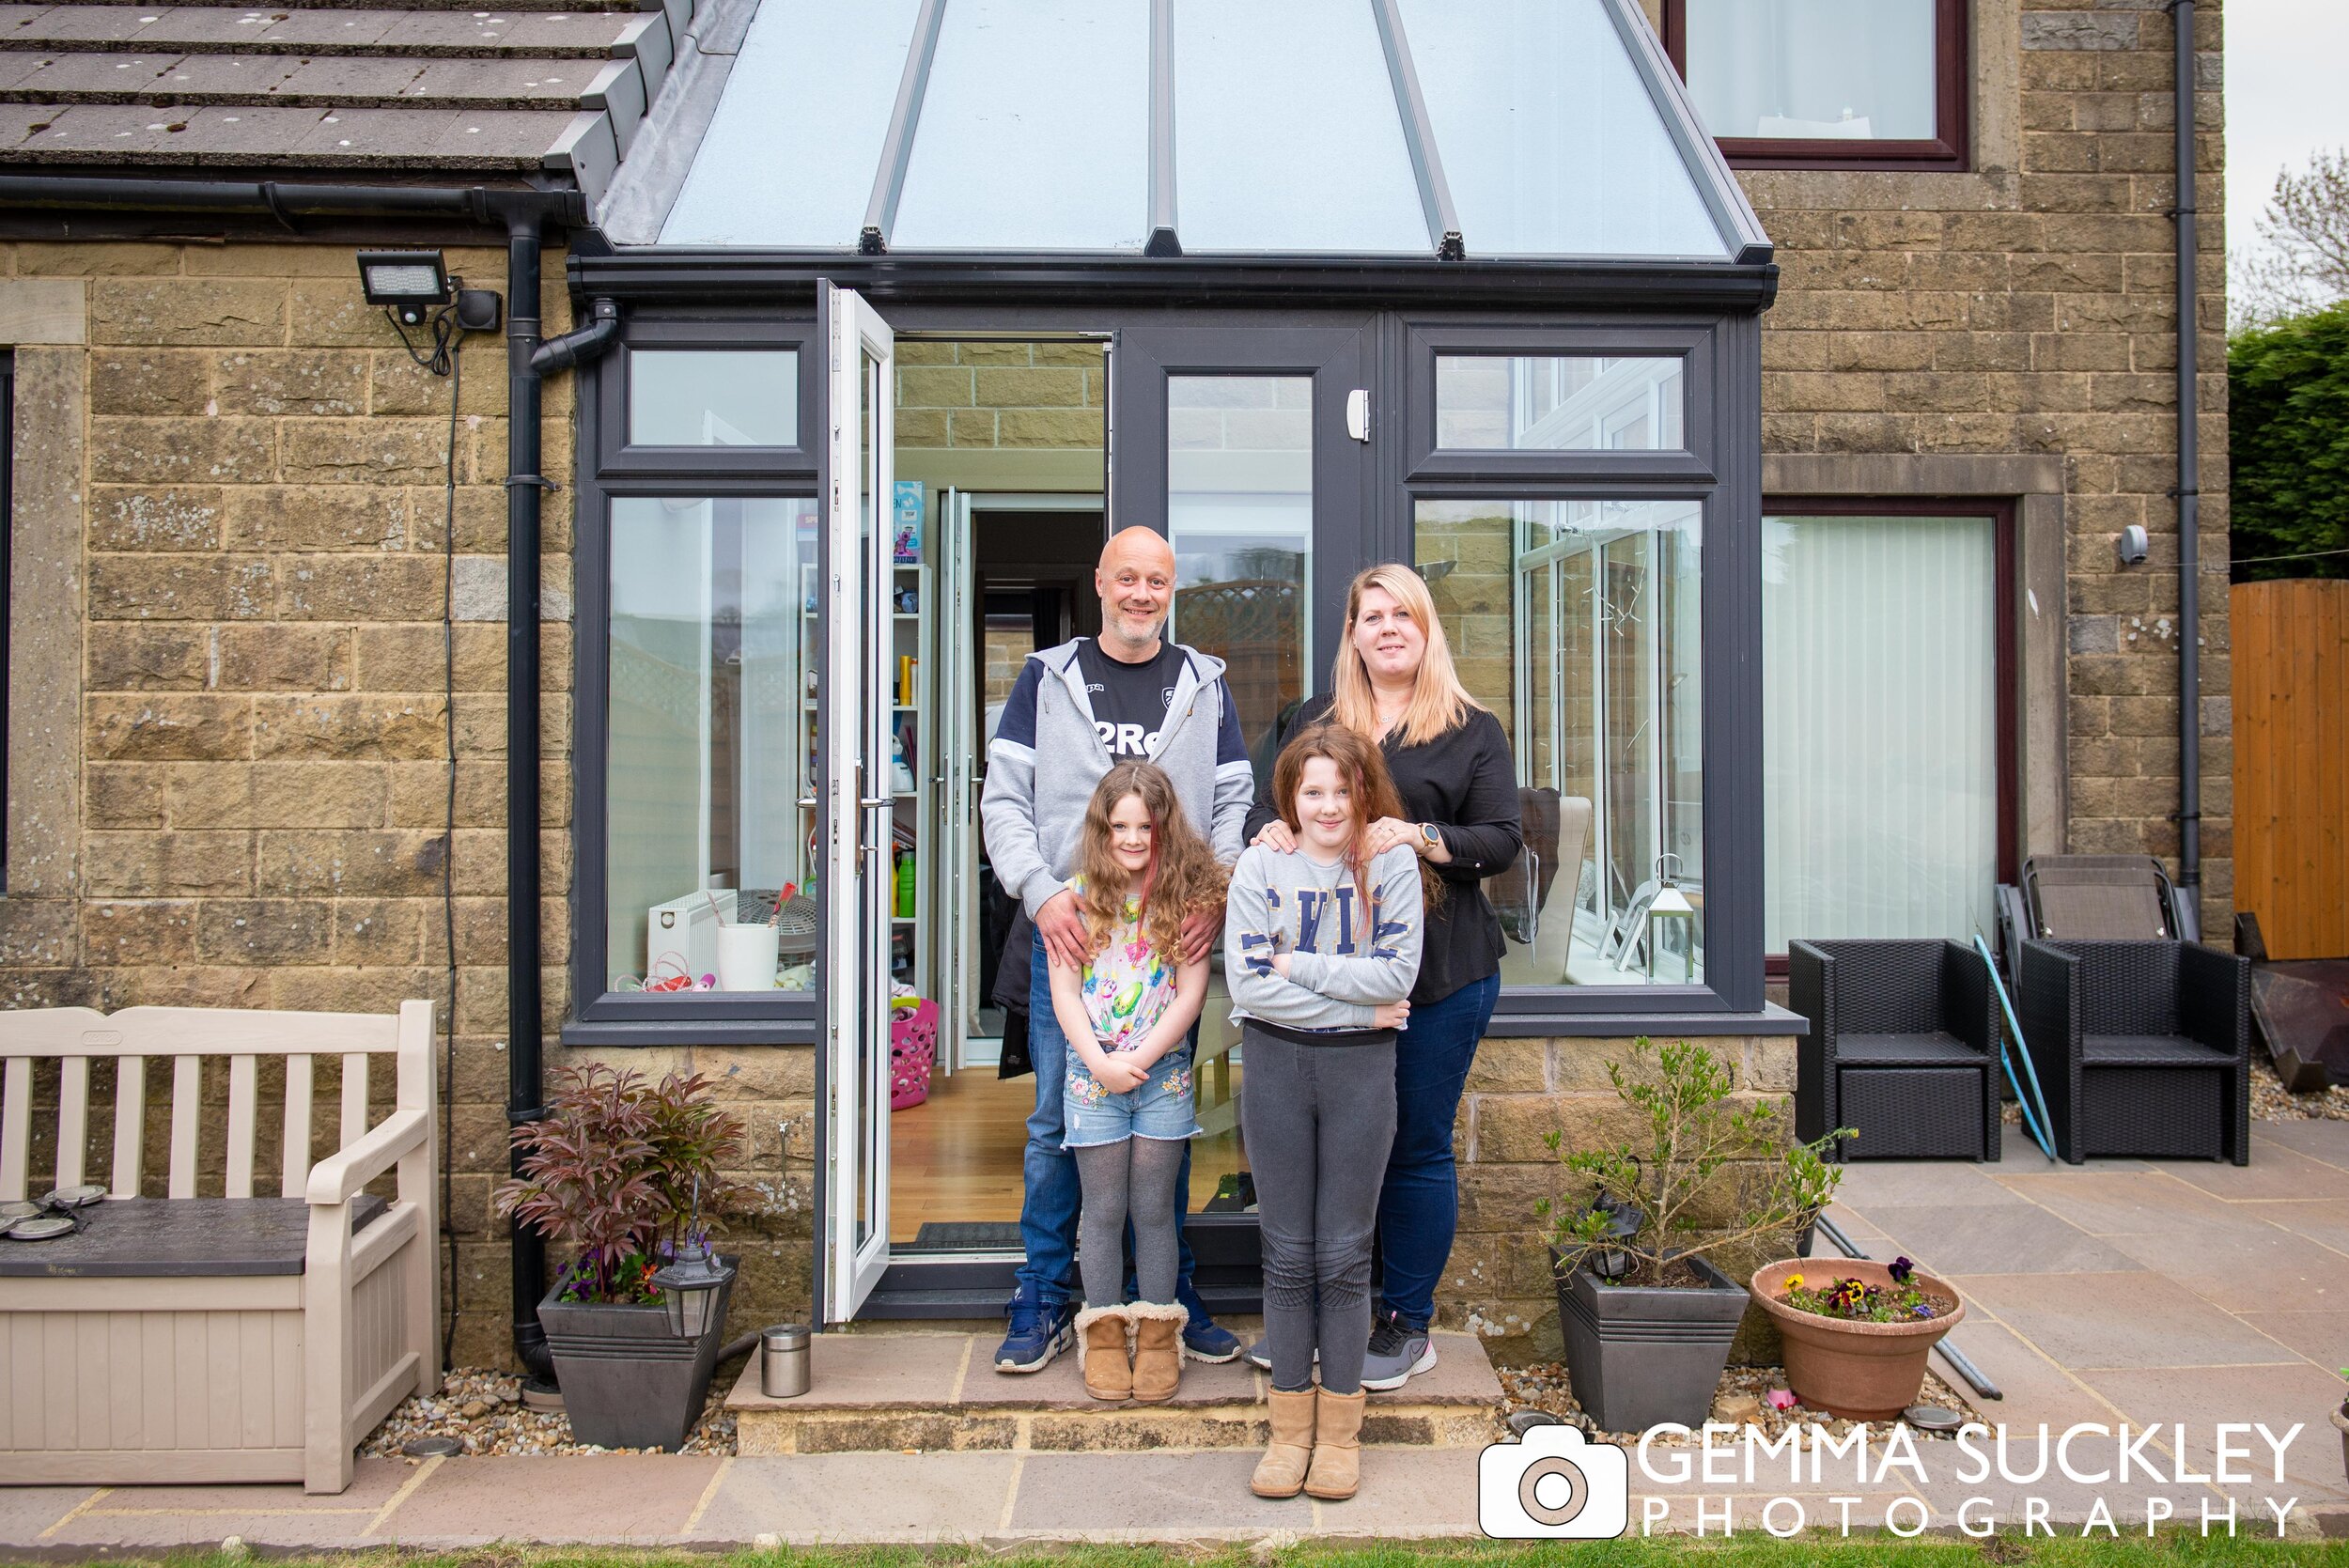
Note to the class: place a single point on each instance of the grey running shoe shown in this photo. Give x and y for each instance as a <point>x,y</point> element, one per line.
<point>1260,1353</point>
<point>1398,1352</point>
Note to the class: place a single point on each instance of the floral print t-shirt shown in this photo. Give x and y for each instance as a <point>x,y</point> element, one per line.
<point>1127,988</point>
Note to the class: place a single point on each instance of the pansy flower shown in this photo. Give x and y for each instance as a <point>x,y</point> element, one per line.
<point>1900,1270</point>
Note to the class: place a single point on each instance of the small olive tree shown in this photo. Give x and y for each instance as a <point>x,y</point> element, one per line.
<point>1648,1204</point>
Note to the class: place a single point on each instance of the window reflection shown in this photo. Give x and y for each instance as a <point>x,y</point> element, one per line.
<point>1240,515</point>
<point>713,397</point>
<point>1560,403</point>
<point>1813,69</point>
<point>1578,623</point>
<point>710,746</point>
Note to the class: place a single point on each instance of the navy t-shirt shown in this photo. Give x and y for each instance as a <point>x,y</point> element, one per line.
<point>1130,701</point>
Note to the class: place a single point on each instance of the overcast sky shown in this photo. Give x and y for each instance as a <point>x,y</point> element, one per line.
<point>2287,96</point>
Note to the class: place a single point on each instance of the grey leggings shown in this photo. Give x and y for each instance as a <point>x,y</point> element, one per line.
<point>1319,1121</point>
<point>1135,1179</point>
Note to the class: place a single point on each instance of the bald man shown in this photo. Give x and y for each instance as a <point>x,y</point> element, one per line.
<point>1076,709</point>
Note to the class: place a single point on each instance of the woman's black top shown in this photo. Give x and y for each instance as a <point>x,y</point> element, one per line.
<point>1464,784</point>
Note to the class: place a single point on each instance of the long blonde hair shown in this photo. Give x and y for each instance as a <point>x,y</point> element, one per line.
<point>1182,876</point>
<point>1440,703</point>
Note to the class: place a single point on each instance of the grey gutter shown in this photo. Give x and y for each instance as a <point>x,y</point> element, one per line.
<point>2189,491</point>
<point>1419,135</point>
<point>905,118</point>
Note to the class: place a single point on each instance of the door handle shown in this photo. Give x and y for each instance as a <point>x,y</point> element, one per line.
<point>875,802</point>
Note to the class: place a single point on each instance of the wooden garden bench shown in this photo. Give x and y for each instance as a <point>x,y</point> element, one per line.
<point>192,1338</point>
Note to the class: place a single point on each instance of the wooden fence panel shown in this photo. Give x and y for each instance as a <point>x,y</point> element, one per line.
<point>2291,684</point>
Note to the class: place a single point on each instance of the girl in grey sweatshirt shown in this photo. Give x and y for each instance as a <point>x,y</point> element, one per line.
<point>1320,949</point>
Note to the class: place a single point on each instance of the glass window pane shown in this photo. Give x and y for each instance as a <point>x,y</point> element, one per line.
<point>714,648</point>
<point>718,397</point>
<point>1813,69</point>
<point>1550,141</point>
<point>1880,753</point>
<point>1285,131</point>
<point>1035,130</point>
<point>1240,510</point>
<point>1580,624</point>
<point>789,156</point>
<point>1560,404</point>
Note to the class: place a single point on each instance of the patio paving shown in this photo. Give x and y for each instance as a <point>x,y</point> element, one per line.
<point>2150,1293</point>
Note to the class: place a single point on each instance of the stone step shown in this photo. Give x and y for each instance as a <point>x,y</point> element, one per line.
<point>936,1391</point>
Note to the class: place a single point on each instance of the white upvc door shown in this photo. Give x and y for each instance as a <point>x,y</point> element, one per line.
<point>960,654</point>
<point>858,898</point>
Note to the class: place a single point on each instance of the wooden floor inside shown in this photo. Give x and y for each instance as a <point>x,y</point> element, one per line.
<point>956,1156</point>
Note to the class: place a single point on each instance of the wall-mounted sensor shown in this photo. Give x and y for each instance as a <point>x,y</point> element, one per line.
<point>2133,545</point>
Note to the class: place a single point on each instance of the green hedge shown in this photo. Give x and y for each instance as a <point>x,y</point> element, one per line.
<point>2288,409</point>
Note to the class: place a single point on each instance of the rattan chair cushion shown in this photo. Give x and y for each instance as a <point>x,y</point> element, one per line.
<point>2147,1050</point>
<point>1939,1049</point>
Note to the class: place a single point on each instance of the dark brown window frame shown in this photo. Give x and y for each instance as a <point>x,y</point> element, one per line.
<point>2006,634</point>
<point>1950,150</point>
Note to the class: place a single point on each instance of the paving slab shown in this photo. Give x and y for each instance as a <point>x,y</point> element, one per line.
<point>2119,1320</point>
<point>165,1530</point>
<point>1204,1493</point>
<point>2321,1139</point>
<point>864,1371</point>
<point>2322,1221</point>
<point>1995,1239</point>
<point>2280,1396</point>
<point>2118,1202</point>
<point>1870,1185</point>
<point>582,1497</point>
<point>2246,1267</point>
<point>2323,1337</point>
<point>2035,1388</point>
<point>1061,1386</point>
<point>2275,1172</point>
<point>26,1510</point>
<point>1409,1492</point>
<point>374,1480</point>
<point>817,1497</point>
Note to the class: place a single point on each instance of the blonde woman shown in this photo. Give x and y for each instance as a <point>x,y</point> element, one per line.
<point>1394,685</point>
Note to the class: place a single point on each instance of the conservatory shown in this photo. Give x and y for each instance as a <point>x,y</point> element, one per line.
<point>920,299</point>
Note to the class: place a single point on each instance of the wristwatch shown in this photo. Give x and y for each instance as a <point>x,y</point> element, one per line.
<point>1427,836</point>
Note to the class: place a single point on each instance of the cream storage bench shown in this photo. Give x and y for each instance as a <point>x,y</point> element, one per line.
<point>236,1338</point>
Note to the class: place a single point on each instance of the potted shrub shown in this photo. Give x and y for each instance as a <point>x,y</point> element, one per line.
<point>1647,1319</point>
<point>621,1176</point>
<point>1856,1332</point>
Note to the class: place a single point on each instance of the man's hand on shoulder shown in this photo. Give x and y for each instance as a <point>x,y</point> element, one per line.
<point>1063,929</point>
<point>1201,927</point>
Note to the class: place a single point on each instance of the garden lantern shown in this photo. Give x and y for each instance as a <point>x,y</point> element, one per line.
<point>689,1288</point>
<point>1672,930</point>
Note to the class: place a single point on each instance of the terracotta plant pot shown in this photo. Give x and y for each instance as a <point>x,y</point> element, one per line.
<point>1863,1372</point>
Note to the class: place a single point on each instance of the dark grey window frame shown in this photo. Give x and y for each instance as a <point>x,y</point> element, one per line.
<point>1399,318</point>
<point>615,378</point>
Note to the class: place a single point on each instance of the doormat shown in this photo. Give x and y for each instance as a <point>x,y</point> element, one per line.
<point>979,1235</point>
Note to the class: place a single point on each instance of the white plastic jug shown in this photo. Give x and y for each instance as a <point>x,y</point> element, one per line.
<point>746,957</point>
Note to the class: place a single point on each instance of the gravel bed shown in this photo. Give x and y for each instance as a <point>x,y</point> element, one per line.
<point>483,1411</point>
<point>1741,1400</point>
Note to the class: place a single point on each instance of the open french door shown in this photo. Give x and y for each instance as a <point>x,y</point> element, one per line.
<point>860,807</point>
<point>956,779</point>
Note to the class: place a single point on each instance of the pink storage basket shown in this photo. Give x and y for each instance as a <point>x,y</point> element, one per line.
<point>913,1052</point>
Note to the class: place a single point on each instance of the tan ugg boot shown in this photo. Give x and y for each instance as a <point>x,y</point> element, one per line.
<point>1280,1473</point>
<point>1157,1350</point>
<point>1101,1352</point>
<point>1337,1468</point>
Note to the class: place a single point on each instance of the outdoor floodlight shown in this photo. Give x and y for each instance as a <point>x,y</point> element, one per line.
<point>408,282</point>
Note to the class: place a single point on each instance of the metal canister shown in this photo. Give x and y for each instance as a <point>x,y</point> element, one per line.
<point>783,1360</point>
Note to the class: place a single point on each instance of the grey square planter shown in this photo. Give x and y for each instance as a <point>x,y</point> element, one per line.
<point>627,1381</point>
<point>1642,1355</point>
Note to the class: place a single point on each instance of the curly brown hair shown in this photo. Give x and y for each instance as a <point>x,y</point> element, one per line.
<point>1182,879</point>
<point>1363,768</point>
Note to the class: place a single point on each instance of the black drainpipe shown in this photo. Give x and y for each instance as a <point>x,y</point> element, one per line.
<point>2189,496</point>
<point>525,214</point>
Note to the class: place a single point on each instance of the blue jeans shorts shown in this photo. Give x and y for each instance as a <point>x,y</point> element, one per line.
<point>1162,1107</point>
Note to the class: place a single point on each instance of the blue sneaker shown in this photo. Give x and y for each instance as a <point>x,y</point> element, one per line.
<point>1040,1331</point>
<point>1204,1339</point>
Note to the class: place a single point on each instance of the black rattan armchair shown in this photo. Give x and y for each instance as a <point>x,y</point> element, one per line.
<point>1902,1048</point>
<point>2143,1048</point>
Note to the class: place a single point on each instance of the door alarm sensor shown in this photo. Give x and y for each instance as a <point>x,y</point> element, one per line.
<point>2133,545</point>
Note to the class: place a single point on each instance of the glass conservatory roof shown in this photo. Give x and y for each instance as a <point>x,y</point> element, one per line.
<point>1459,128</point>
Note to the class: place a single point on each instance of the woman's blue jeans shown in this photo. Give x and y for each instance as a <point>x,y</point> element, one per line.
<point>1418,1204</point>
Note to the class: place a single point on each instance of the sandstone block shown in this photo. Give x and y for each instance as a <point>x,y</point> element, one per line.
<point>151,451</point>
<point>318,517</point>
<point>39,933</point>
<point>359,587</point>
<point>1030,388</point>
<point>375,931</point>
<point>331,312</point>
<point>122,795</point>
<point>274,656</point>
<point>188,312</point>
<point>366,452</point>
<point>263,931</point>
<point>351,863</point>
<point>1049,427</point>
<point>315,381</point>
<point>277,794</point>
<point>166,864</point>
<point>167,727</point>
<point>410,658</point>
<point>127,656</point>
<point>142,517</point>
<point>149,381</point>
<point>370,727</point>
<point>397,385</point>
<point>420,793</point>
<point>1510,1064</point>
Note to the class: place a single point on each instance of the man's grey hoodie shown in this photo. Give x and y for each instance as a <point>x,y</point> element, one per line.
<point>1345,963</point>
<point>1046,757</point>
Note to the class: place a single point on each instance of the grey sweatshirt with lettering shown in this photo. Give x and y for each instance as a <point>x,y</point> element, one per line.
<point>1347,961</point>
